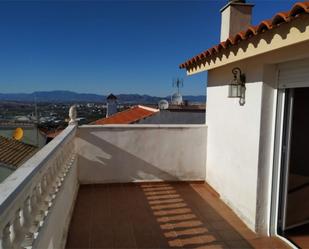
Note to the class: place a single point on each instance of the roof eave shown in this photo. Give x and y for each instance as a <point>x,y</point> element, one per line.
<point>286,34</point>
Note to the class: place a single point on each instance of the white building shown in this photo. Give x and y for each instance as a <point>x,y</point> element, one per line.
<point>111,105</point>
<point>256,156</point>
<point>143,186</point>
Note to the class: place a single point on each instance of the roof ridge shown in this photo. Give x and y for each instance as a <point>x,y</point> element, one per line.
<point>113,115</point>
<point>295,12</point>
<point>14,152</point>
<point>127,116</point>
<point>148,108</point>
<point>11,140</point>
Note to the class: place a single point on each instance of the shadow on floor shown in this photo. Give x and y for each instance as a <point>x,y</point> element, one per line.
<point>157,215</point>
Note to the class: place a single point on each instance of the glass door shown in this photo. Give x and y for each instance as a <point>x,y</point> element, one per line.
<point>294,201</point>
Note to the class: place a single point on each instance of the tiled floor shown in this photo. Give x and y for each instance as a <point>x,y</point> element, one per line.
<point>158,215</point>
<point>299,236</point>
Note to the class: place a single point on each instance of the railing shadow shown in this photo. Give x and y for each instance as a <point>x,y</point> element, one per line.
<point>107,161</point>
<point>143,215</point>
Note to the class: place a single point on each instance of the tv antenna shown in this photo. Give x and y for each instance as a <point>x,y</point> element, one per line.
<point>178,83</point>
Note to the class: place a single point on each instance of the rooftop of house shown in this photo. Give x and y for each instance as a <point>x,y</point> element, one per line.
<point>111,96</point>
<point>187,108</point>
<point>128,116</point>
<point>15,124</point>
<point>299,9</point>
<point>52,134</point>
<point>13,153</point>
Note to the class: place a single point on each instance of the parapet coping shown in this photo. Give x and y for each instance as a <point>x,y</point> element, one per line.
<point>141,126</point>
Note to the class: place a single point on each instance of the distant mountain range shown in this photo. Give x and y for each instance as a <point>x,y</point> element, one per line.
<point>68,96</point>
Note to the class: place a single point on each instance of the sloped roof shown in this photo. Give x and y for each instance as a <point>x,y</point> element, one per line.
<point>14,153</point>
<point>53,134</point>
<point>298,9</point>
<point>129,116</point>
<point>111,96</point>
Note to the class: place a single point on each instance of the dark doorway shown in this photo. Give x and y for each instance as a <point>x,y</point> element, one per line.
<point>294,213</point>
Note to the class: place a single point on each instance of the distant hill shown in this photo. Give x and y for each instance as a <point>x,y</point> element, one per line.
<point>68,96</point>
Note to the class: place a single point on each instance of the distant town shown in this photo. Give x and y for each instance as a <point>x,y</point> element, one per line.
<point>51,115</point>
<point>49,110</point>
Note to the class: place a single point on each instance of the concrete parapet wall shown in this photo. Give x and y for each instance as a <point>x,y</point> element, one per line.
<point>132,153</point>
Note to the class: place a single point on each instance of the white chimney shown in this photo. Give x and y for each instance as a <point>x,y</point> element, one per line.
<point>111,105</point>
<point>235,17</point>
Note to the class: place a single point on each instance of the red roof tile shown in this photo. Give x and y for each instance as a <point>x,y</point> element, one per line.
<point>13,152</point>
<point>297,10</point>
<point>129,116</point>
<point>53,134</point>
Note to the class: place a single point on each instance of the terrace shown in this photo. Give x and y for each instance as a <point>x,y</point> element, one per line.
<point>124,186</point>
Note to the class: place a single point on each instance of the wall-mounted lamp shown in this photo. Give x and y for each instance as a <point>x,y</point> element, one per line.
<point>237,88</point>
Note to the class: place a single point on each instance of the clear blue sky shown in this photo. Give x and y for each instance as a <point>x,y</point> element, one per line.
<point>104,46</point>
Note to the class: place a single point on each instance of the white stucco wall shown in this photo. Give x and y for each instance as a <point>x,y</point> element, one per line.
<point>233,145</point>
<point>130,153</point>
<point>240,139</point>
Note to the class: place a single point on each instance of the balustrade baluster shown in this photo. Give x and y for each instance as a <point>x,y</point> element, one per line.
<point>49,195</point>
<point>30,226</point>
<point>54,181</point>
<point>18,234</point>
<point>6,242</point>
<point>45,204</point>
<point>59,174</point>
<point>36,215</point>
<point>40,203</point>
<point>58,181</point>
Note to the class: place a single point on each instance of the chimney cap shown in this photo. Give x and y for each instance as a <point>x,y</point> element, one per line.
<point>236,2</point>
<point>111,96</point>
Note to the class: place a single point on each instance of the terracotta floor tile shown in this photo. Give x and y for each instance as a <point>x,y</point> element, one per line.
<point>238,244</point>
<point>163,197</point>
<point>102,237</point>
<point>168,206</point>
<point>248,234</point>
<point>192,231</point>
<point>221,225</point>
<point>174,211</point>
<point>124,236</point>
<point>267,243</point>
<point>174,200</point>
<point>175,243</point>
<point>278,243</point>
<point>158,193</point>
<point>185,224</point>
<point>191,242</point>
<point>146,240</point>
<point>157,215</point>
<point>229,235</point>
<point>214,245</point>
<point>180,217</point>
<point>150,189</point>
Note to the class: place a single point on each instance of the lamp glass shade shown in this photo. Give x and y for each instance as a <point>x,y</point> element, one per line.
<point>234,91</point>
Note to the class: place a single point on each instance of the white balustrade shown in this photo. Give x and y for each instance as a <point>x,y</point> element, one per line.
<point>27,223</point>
<point>6,237</point>
<point>25,205</point>
<point>16,230</point>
